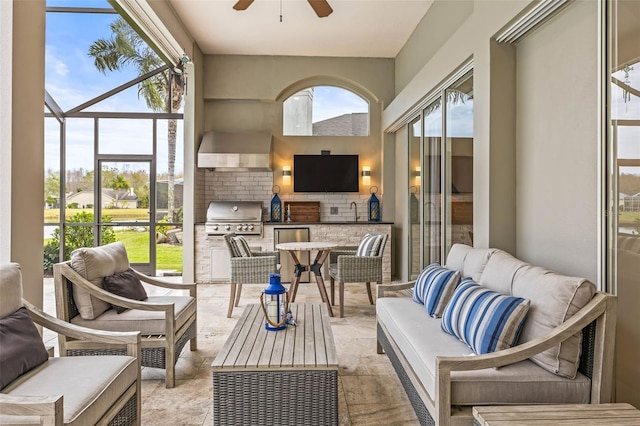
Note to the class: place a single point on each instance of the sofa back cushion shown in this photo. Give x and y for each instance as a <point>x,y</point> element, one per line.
<point>10,289</point>
<point>554,299</point>
<point>468,260</point>
<point>93,264</point>
<point>500,271</point>
<point>485,320</point>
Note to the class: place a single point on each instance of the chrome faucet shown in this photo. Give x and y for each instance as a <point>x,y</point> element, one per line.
<point>355,215</point>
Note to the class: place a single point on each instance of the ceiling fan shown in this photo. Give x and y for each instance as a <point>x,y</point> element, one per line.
<point>321,7</point>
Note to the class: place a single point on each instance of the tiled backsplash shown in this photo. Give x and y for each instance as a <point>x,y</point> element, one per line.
<point>257,186</point>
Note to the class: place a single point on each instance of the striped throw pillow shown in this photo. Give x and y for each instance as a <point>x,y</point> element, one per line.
<point>242,246</point>
<point>369,245</point>
<point>434,288</point>
<point>485,320</point>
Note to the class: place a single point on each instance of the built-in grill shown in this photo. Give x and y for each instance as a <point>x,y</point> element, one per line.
<point>241,217</point>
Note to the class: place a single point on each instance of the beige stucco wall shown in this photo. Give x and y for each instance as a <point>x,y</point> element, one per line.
<point>557,143</point>
<point>432,31</point>
<point>27,156</point>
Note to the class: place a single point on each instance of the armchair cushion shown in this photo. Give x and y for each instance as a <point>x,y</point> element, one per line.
<point>125,284</point>
<point>485,320</point>
<point>434,288</point>
<point>147,322</point>
<point>90,384</point>
<point>21,347</point>
<point>369,245</point>
<point>10,289</point>
<point>94,264</point>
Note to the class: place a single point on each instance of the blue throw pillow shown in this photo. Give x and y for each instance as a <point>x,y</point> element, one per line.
<point>485,320</point>
<point>434,288</point>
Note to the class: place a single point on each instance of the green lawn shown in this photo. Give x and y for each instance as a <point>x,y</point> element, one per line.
<point>168,257</point>
<point>137,244</point>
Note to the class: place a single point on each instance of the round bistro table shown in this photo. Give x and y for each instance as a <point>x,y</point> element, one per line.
<point>323,248</point>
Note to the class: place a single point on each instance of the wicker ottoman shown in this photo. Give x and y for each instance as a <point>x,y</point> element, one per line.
<point>287,377</point>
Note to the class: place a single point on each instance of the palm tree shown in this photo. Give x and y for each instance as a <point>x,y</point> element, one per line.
<point>126,48</point>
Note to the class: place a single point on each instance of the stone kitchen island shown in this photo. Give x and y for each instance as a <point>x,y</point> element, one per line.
<point>212,258</point>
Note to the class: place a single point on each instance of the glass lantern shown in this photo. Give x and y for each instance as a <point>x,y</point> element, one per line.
<point>374,205</point>
<point>274,304</point>
<point>276,205</point>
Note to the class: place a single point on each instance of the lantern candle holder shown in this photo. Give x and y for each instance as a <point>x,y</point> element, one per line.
<point>276,205</point>
<point>374,205</point>
<point>274,301</point>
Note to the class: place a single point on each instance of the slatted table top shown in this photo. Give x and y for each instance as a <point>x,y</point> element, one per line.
<point>578,414</point>
<point>309,345</point>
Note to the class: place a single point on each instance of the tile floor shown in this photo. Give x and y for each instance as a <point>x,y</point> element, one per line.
<point>369,392</point>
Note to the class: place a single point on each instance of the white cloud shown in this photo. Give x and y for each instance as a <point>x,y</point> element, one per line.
<point>54,64</point>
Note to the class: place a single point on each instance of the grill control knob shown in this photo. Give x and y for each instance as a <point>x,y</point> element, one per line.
<point>215,227</point>
<point>250,227</point>
<point>245,227</point>
<point>239,228</point>
<point>227,228</point>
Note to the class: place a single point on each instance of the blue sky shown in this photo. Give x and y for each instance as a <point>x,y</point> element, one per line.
<point>72,79</point>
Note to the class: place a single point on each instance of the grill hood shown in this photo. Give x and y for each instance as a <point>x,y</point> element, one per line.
<point>235,151</point>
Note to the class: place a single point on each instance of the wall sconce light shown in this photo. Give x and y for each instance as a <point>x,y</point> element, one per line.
<point>286,175</point>
<point>366,175</point>
<point>417,176</point>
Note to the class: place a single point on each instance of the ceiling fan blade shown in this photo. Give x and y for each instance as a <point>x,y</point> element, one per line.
<point>321,7</point>
<point>242,4</point>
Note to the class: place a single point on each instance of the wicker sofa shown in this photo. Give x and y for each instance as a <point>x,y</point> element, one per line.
<point>37,388</point>
<point>568,331</point>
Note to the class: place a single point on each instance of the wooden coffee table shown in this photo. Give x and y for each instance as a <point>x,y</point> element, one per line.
<point>578,414</point>
<point>277,377</point>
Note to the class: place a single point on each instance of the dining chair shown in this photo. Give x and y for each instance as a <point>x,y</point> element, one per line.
<point>364,264</point>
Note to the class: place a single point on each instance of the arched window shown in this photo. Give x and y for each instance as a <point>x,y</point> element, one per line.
<point>325,111</point>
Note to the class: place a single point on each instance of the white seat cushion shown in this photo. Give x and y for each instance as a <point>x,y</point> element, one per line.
<point>90,384</point>
<point>421,340</point>
<point>146,322</point>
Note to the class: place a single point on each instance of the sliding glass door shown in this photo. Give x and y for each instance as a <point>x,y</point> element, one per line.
<point>624,190</point>
<point>432,185</point>
<point>441,175</point>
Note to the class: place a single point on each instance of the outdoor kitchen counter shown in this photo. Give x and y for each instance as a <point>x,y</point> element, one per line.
<point>211,251</point>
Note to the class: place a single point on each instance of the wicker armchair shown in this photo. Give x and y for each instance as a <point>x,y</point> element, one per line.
<point>62,390</point>
<point>346,267</point>
<point>166,323</point>
<point>254,268</point>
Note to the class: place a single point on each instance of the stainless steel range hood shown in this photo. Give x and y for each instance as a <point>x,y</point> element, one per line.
<point>234,151</point>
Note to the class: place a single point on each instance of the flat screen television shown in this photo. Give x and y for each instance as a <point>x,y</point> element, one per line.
<point>325,173</point>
